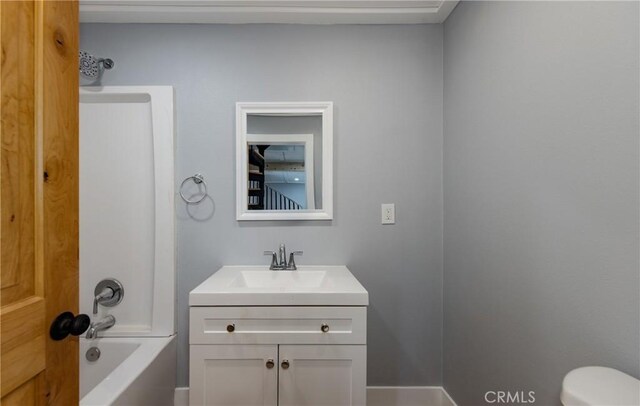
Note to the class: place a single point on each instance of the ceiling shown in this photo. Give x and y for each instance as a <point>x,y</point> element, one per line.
<point>284,177</point>
<point>284,153</point>
<point>267,11</point>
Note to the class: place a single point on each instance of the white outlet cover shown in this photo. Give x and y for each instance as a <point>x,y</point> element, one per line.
<point>388,215</point>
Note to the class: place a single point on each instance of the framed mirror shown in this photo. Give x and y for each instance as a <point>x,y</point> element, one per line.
<point>284,161</point>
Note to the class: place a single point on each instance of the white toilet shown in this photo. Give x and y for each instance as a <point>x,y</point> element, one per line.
<point>599,386</point>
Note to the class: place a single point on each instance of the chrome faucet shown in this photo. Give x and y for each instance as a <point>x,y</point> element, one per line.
<point>101,325</point>
<point>282,255</point>
<point>279,259</point>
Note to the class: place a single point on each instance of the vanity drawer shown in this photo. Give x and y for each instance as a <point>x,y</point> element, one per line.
<point>278,325</point>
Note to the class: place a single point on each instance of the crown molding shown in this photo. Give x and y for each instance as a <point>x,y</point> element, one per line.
<point>266,11</point>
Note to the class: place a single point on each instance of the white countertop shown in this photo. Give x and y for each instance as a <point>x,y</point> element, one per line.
<point>258,286</point>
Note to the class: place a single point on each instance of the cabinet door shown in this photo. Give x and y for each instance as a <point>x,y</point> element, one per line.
<point>233,375</point>
<point>322,375</point>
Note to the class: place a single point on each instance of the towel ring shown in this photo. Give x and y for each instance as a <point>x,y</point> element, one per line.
<point>197,179</point>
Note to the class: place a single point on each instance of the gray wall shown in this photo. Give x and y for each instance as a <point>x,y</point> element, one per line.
<point>541,194</point>
<point>386,83</point>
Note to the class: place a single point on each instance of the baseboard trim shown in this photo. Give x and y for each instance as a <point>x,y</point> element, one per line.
<point>408,396</point>
<point>181,397</point>
<point>378,396</point>
<point>449,401</point>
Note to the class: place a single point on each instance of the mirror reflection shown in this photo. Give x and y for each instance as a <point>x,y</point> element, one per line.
<point>284,157</point>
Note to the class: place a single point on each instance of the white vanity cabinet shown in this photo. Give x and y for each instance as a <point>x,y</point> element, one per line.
<point>280,355</point>
<point>278,338</point>
<point>234,375</point>
<point>322,375</point>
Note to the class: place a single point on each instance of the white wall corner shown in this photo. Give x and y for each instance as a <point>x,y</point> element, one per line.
<point>378,396</point>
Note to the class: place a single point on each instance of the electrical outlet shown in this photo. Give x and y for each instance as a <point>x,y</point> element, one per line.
<point>388,213</point>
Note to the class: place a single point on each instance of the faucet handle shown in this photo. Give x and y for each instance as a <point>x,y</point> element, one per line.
<point>107,293</point>
<point>292,262</point>
<point>274,258</point>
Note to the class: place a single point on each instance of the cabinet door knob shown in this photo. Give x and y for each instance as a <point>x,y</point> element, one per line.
<point>270,363</point>
<point>285,364</point>
<point>231,328</point>
<point>324,328</point>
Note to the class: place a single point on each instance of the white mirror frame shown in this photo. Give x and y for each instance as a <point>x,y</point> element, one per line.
<point>324,109</point>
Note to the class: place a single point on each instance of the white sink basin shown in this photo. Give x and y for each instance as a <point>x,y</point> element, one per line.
<point>279,279</point>
<point>259,286</point>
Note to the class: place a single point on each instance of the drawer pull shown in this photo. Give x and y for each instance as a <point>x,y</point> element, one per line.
<point>231,328</point>
<point>324,328</point>
<point>270,363</point>
<point>285,364</point>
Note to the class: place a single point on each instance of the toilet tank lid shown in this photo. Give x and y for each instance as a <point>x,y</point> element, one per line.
<point>589,386</point>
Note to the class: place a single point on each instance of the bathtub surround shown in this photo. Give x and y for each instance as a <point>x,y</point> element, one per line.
<point>127,196</point>
<point>541,194</point>
<point>386,83</point>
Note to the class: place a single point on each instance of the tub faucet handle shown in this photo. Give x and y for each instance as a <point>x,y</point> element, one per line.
<point>108,292</point>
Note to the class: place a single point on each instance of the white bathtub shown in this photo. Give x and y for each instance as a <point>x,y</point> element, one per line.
<point>130,371</point>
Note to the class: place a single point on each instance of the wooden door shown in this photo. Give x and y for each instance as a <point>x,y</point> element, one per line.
<point>39,200</point>
<point>322,375</point>
<point>233,375</point>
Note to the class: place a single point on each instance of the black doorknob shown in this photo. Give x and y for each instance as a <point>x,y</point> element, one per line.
<point>66,323</point>
<point>80,324</point>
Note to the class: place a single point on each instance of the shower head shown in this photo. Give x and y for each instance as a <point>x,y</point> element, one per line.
<point>92,67</point>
